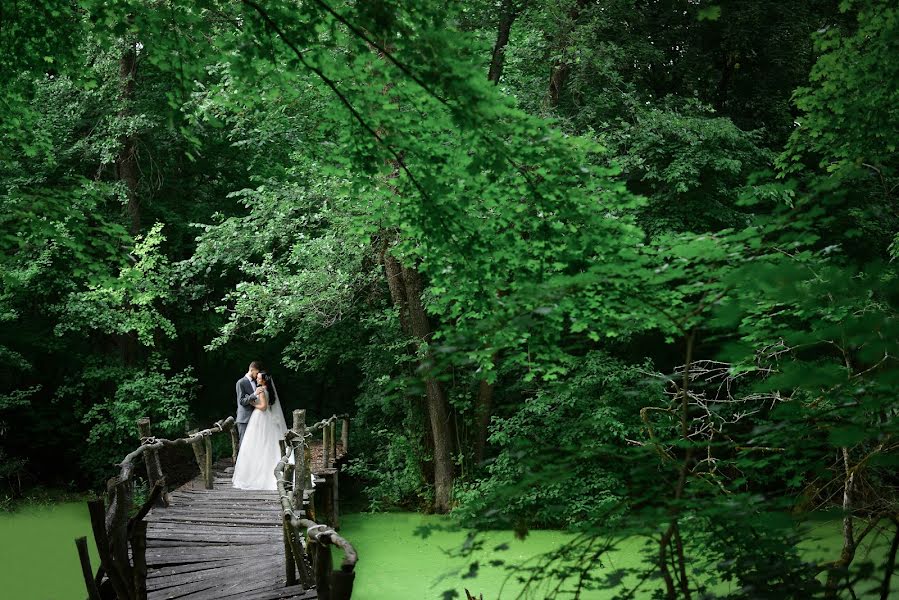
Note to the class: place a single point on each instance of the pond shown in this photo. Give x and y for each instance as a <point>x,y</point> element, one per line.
<point>38,560</point>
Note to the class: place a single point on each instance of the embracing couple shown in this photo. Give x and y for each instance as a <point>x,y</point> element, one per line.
<point>260,426</point>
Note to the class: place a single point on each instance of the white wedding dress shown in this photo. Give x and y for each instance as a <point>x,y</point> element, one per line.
<point>259,450</point>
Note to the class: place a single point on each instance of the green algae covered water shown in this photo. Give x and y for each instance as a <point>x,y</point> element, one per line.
<point>397,562</point>
<point>38,559</point>
<point>402,556</point>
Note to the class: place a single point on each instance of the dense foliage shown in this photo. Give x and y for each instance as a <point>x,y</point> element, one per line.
<point>618,267</point>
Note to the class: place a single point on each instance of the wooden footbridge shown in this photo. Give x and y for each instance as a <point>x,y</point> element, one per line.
<point>207,540</point>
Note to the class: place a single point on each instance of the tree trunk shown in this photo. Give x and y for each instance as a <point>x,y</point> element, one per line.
<point>672,533</point>
<point>847,553</point>
<point>557,78</point>
<point>126,162</point>
<point>558,74</point>
<point>394,274</point>
<point>508,12</point>
<point>727,72</point>
<point>406,287</point>
<point>483,411</point>
<point>438,407</point>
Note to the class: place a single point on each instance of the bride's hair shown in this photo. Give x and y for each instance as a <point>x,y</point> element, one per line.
<point>267,380</point>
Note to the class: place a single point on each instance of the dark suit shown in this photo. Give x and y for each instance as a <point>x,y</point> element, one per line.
<point>246,399</point>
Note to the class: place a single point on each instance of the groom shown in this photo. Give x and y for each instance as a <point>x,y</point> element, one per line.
<point>246,398</point>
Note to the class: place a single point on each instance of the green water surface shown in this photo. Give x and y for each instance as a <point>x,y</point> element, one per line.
<point>397,564</point>
<point>38,558</point>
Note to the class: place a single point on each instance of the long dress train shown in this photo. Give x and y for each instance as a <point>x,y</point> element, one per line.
<point>259,450</point>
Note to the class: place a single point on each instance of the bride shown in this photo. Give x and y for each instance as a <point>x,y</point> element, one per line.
<point>259,450</point>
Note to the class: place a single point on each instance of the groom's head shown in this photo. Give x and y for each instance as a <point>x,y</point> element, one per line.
<point>254,369</point>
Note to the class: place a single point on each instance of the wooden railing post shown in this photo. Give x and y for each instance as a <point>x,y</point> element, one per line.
<point>345,435</point>
<point>198,452</point>
<point>332,429</point>
<point>298,443</point>
<point>117,528</point>
<point>325,438</point>
<point>207,472</point>
<point>151,461</point>
<point>307,466</point>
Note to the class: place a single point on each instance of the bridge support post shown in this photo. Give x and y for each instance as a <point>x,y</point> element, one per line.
<point>298,443</point>
<point>323,567</point>
<point>120,494</point>
<point>325,438</point>
<point>235,443</point>
<point>151,461</point>
<point>296,556</point>
<point>93,593</point>
<point>345,435</point>
<point>119,584</point>
<point>289,558</point>
<point>307,461</point>
<point>199,453</point>
<point>335,502</point>
<point>139,557</point>
<point>332,430</point>
<point>326,494</point>
<point>207,471</point>
<point>342,584</point>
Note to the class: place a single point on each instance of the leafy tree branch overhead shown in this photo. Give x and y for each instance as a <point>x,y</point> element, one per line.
<point>624,269</point>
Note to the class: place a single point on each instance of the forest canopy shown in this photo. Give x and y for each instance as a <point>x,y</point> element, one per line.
<point>618,267</point>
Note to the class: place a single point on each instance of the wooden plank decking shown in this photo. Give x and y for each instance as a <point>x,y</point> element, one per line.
<point>218,544</point>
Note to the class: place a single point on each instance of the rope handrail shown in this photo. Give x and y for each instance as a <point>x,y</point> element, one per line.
<point>330,420</point>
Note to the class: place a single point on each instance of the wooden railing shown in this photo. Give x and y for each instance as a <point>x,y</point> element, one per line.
<point>304,495</point>
<point>122,541</point>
